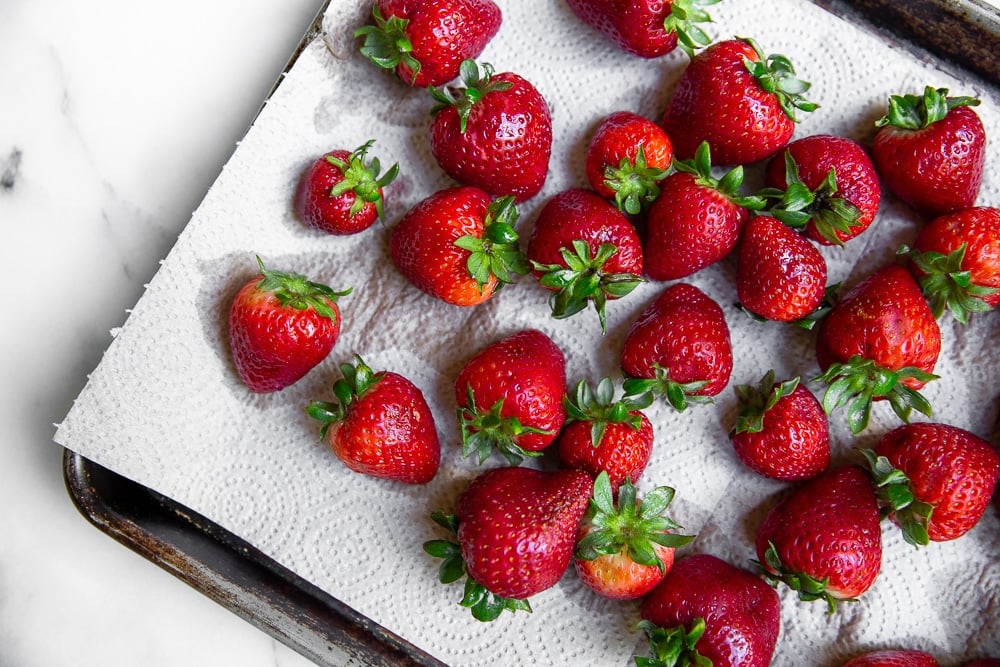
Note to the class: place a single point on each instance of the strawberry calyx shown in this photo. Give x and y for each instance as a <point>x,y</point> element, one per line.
<point>356,380</point>
<point>386,42</point>
<point>683,19</point>
<point>755,401</point>
<point>634,182</point>
<point>628,525</point>
<point>807,587</point>
<point>484,605</point>
<point>362,178</point>
<point>775,74</point>
<point>293,290</point>
<point>598,407</point>
<point>729,185</point>
<point>678,394</point>
<point>476,86</point>
<point>915,112</point>
<point>673,647</point>
<point>946,284</point>
<point>859,381</point>
<point>496,253</point>
<point>896,499</point>
<point>580,280</point>
<point>797,204</point>
<point>484,432</point>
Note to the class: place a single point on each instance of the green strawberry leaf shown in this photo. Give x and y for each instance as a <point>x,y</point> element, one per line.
<point>775,74</point>
<point>915,112</point>
<point>947,284</point>
<point>386,43</point>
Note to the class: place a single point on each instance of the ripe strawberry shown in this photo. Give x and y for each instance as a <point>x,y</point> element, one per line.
<point>696,220</point>
<point>781,431</point>
<point>281,325</point>
<point>935,480</point>
<point>930,150</point>
<point>678,348</point>
<point>893,658</point>
<point>624,545</point>
<point>826,186</point>
<point>509,397</point>
<point>602,434</point>
<point>780,275</point>
<point>458,246</point>
<point>737,99</point>
<point>824,540</point>
<point>880,342</point>
<point>425,41</point>
<point>341,193</point>
<point>515,529</point>
<point>956,260</point>
<point>649,28</point>
<point>379,424</point>
<point>495,133</point>
<point>711,612</point>
<point>585,251</point>
<point>627,158</point>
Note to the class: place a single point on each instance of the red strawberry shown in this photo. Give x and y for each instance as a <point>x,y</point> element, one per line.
<point>696,220</point>
<point>880,341</point>
<point>625,546</point>
<point>737,99</point>
<point>648,28</point>
<point>516,530</point>
<point>956,259</point>
<point>678,348</point>
<point>458,246</point>
<point>425,41</point>
<point>606,435</point>
<point>824,539</point>
<point>281,325</point>
<point>930,150</point>
<point>627,158</point>
<point>893,658</point>
<point>709,610</point>
<point>780,275</point>
<point>781,431</point>
<point>495,133</point>
<point>586,251</point>
<point>936,480</point>
<point>380,425</point>
<point>510,397</point>
<point>827,186</point>
<point>341,193</point>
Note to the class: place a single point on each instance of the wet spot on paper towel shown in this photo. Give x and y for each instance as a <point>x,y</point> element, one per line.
<point>9,168</point>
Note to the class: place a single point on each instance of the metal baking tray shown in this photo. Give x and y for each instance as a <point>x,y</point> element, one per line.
<point>960,36</point>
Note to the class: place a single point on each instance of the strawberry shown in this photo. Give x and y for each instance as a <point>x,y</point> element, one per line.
<point>930,150</point>
<point>780,275</point>
<point>696,220</point>
<point>648,28</point>
<point>495,133</point>
<point>281,325</point>
<point>459,246</point>
<point>624,545</point>
<point>880,342</point>
<point>935,480</point>
<point>678,348</point>
<point>341,192</point>
<point>509,397</point>
<point>956,260</point>
<point>893,657</point>
<point>602,434</point>
<point>425,41</point>
<point>585,251</point>
<point>379,424</point>
<point>781,431</point>
<point>824,539</point>
<point>708,612</point>
<point>515,531</point>
<point>627,157</point>
<point>826,185</point>
<point>737,99</point>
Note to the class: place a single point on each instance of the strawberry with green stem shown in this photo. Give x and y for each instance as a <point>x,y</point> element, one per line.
<point>647,28</point>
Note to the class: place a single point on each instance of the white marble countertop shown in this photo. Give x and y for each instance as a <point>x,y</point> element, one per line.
<point>116,117</point>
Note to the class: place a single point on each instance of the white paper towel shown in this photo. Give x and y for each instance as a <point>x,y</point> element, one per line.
<point>166,409</point>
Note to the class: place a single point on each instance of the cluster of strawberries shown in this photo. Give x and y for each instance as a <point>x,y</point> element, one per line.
<point>657,208</point>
